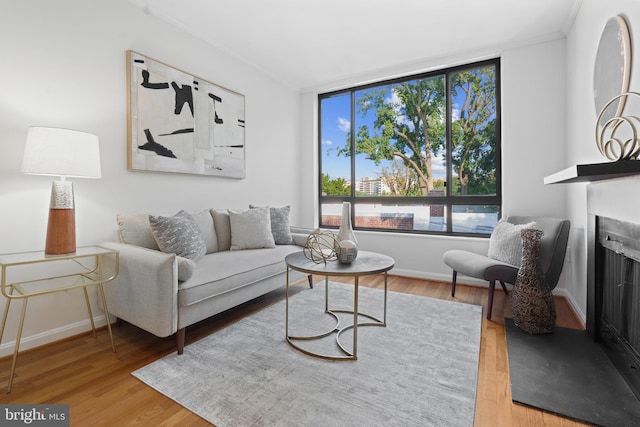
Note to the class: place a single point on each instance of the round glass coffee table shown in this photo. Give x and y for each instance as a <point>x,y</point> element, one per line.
<point>366,263</point>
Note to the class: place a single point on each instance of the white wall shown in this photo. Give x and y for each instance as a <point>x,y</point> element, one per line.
<point>64,65</point>
<point>582,45</point>
<point>533,104</point>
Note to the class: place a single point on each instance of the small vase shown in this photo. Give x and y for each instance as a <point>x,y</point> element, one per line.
<point>346,232</point>
<point>532,303</point>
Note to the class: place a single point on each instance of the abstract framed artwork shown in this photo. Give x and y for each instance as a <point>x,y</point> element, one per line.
<point>179,123</point>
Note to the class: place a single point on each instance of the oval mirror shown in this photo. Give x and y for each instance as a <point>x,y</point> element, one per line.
<point>612,68</point>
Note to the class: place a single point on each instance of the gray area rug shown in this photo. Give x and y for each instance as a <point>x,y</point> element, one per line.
<point>420,370</point>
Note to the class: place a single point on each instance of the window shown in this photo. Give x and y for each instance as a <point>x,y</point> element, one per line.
<point>417,154</point>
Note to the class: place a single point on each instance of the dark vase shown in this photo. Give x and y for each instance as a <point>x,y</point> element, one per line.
<point>532,303</point>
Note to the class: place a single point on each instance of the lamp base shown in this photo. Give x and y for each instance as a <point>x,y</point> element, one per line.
<point>61,232</point>
<point>61,229</point>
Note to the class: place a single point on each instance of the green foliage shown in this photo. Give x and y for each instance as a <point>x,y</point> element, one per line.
<point>474,133</point>
<point>335,187</point>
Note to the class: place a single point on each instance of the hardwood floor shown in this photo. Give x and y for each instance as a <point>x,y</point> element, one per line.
<point>97,384</point>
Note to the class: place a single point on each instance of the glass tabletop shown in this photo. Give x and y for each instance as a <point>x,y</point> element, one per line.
<point>40,256</point>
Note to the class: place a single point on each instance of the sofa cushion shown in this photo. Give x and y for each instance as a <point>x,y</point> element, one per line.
<point>207,229</point>
<point>251,229</point>
<point>280,224</point>
<point>225,271</point>
<point>178,234</point>
<point>505,243</point>
<point>134,229</point>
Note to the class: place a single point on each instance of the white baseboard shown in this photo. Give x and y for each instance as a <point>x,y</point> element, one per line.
<point>50,336</point>
<point>439,277</point>
<point>582,318</point>
<point>482,283</point>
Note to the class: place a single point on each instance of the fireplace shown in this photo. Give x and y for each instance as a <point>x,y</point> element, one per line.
<point>613,299</point>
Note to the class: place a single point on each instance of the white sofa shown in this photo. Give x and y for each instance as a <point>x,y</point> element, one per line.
<point>161,292</point>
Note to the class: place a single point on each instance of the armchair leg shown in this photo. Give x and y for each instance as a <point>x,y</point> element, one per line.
<point>310,279</point>
<point>492,287</point>
<point>453,283</point>
<point>180,338</point>
<point>504,288</point>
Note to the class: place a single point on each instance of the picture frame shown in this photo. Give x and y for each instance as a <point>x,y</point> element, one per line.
<point>179,123</point>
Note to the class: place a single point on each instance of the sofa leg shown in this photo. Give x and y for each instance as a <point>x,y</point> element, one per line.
<point>453,283</point>
<point>310,279</point>
<point>492,287</point>
<point>180,337</point>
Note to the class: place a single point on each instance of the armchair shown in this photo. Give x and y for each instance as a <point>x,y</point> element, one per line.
<point>553,246</point>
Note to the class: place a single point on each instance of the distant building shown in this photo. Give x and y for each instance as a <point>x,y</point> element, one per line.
<point>371,186</point>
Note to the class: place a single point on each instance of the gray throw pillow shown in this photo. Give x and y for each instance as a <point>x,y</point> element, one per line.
<point>251,229</point>
<point>505,243</point>
<point>179,235</point>
<point>280,224</point>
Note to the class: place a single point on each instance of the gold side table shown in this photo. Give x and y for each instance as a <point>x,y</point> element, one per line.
<point>88,266</point>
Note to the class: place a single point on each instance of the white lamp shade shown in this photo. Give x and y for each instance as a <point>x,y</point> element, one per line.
<point>61,152</point>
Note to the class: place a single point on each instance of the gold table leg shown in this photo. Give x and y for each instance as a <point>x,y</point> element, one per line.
<point>17,346</point>
<point>106,315</point>
<point>86,299</point>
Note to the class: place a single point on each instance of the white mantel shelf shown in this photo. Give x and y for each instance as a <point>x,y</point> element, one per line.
<point>594,172</point>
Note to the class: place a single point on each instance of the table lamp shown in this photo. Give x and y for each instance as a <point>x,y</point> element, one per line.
<point>64,153</point>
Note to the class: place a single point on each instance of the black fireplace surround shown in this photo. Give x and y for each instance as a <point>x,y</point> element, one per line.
<point>613,293</point>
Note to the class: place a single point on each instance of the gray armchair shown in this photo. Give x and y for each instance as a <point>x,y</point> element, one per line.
<point>553,246</point>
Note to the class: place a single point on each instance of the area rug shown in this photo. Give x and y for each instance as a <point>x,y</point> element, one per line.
<point>419,370</point>
<point>567,373</point>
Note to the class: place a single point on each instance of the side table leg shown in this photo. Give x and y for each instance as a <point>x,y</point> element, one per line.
<point>17,346</point>
<point>4,317</point>
<point>355,318</point>
<point>106,315</point>
<point>385,300</point>
<point>286,297</point>
<point>86,299</point>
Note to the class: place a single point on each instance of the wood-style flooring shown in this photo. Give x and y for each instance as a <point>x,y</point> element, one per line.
<point>97,384</point>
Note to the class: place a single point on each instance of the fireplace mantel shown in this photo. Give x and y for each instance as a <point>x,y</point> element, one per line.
<point>595,172</point>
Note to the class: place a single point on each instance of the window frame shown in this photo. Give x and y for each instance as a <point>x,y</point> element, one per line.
<point>448,200</point>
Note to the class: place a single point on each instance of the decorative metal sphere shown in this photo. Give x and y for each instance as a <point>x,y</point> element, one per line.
<point>321,247</point>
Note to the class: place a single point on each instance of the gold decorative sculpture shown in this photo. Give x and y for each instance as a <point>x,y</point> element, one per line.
<point>321,247</point>
<point>617,137</point>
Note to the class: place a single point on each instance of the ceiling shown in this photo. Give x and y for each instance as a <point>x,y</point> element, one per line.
<point>307,44</point>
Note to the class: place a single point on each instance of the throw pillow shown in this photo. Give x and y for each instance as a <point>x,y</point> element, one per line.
<point>223,228</point>
<point>505,243</point>
<point>186,268</point>
<point>205,224</point>
<point>135,230</point>
<point>251,229</point>
<point>280,224</point>
<point>178,234</point>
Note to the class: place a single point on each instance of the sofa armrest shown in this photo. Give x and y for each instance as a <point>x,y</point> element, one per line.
<point>300,234</point>
<point>145,292</point>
